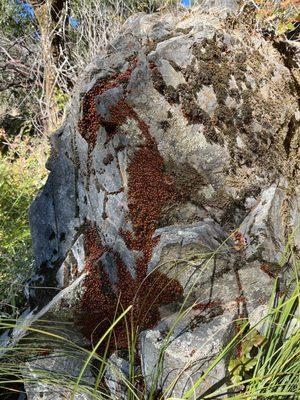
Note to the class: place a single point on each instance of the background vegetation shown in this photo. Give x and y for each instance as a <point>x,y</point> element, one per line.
<point>22,173</point>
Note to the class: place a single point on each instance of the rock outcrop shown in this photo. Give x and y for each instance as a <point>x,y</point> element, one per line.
<point>173,184</point>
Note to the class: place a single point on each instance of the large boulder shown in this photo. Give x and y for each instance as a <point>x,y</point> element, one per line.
<point>185,133</point>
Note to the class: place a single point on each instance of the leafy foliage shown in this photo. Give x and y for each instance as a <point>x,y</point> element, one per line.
<point>15,19</point>
<point>278,16</point>
<point>240,366</point>
<point>22,173</point>
<point>61,98</point>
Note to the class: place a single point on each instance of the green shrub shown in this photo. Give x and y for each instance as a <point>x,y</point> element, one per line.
<point>22,173</point>
<point>277,16</point>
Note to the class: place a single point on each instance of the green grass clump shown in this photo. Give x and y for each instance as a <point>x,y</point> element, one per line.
<point>265,357</point>
<point>268,364</point>
<point>22,173</point>
<point>275,369</point>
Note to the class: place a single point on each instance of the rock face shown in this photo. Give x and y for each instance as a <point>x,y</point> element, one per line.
<point>57,367</point>
<point>185,132</point>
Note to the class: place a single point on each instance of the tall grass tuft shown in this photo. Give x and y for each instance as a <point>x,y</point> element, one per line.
<point>271,371</point>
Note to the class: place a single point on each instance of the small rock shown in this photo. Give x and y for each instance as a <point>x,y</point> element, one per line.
<point>117,376</point>
<point>57,367</point>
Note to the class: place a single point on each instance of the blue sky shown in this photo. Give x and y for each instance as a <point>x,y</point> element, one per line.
<point>28,11</point>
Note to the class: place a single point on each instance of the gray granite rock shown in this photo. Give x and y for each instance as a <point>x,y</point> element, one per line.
<point>191,345</point>
<point>178,156</point>
<point>257,289</point>
<point>107,100</point>
<point>117,377</point>
<point>264,227</point>
<point>53,377</point>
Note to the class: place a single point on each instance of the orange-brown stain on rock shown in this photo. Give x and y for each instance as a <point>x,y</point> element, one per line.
<point>149,190</point>
<point>102,302</point>
<point>90,122</point>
